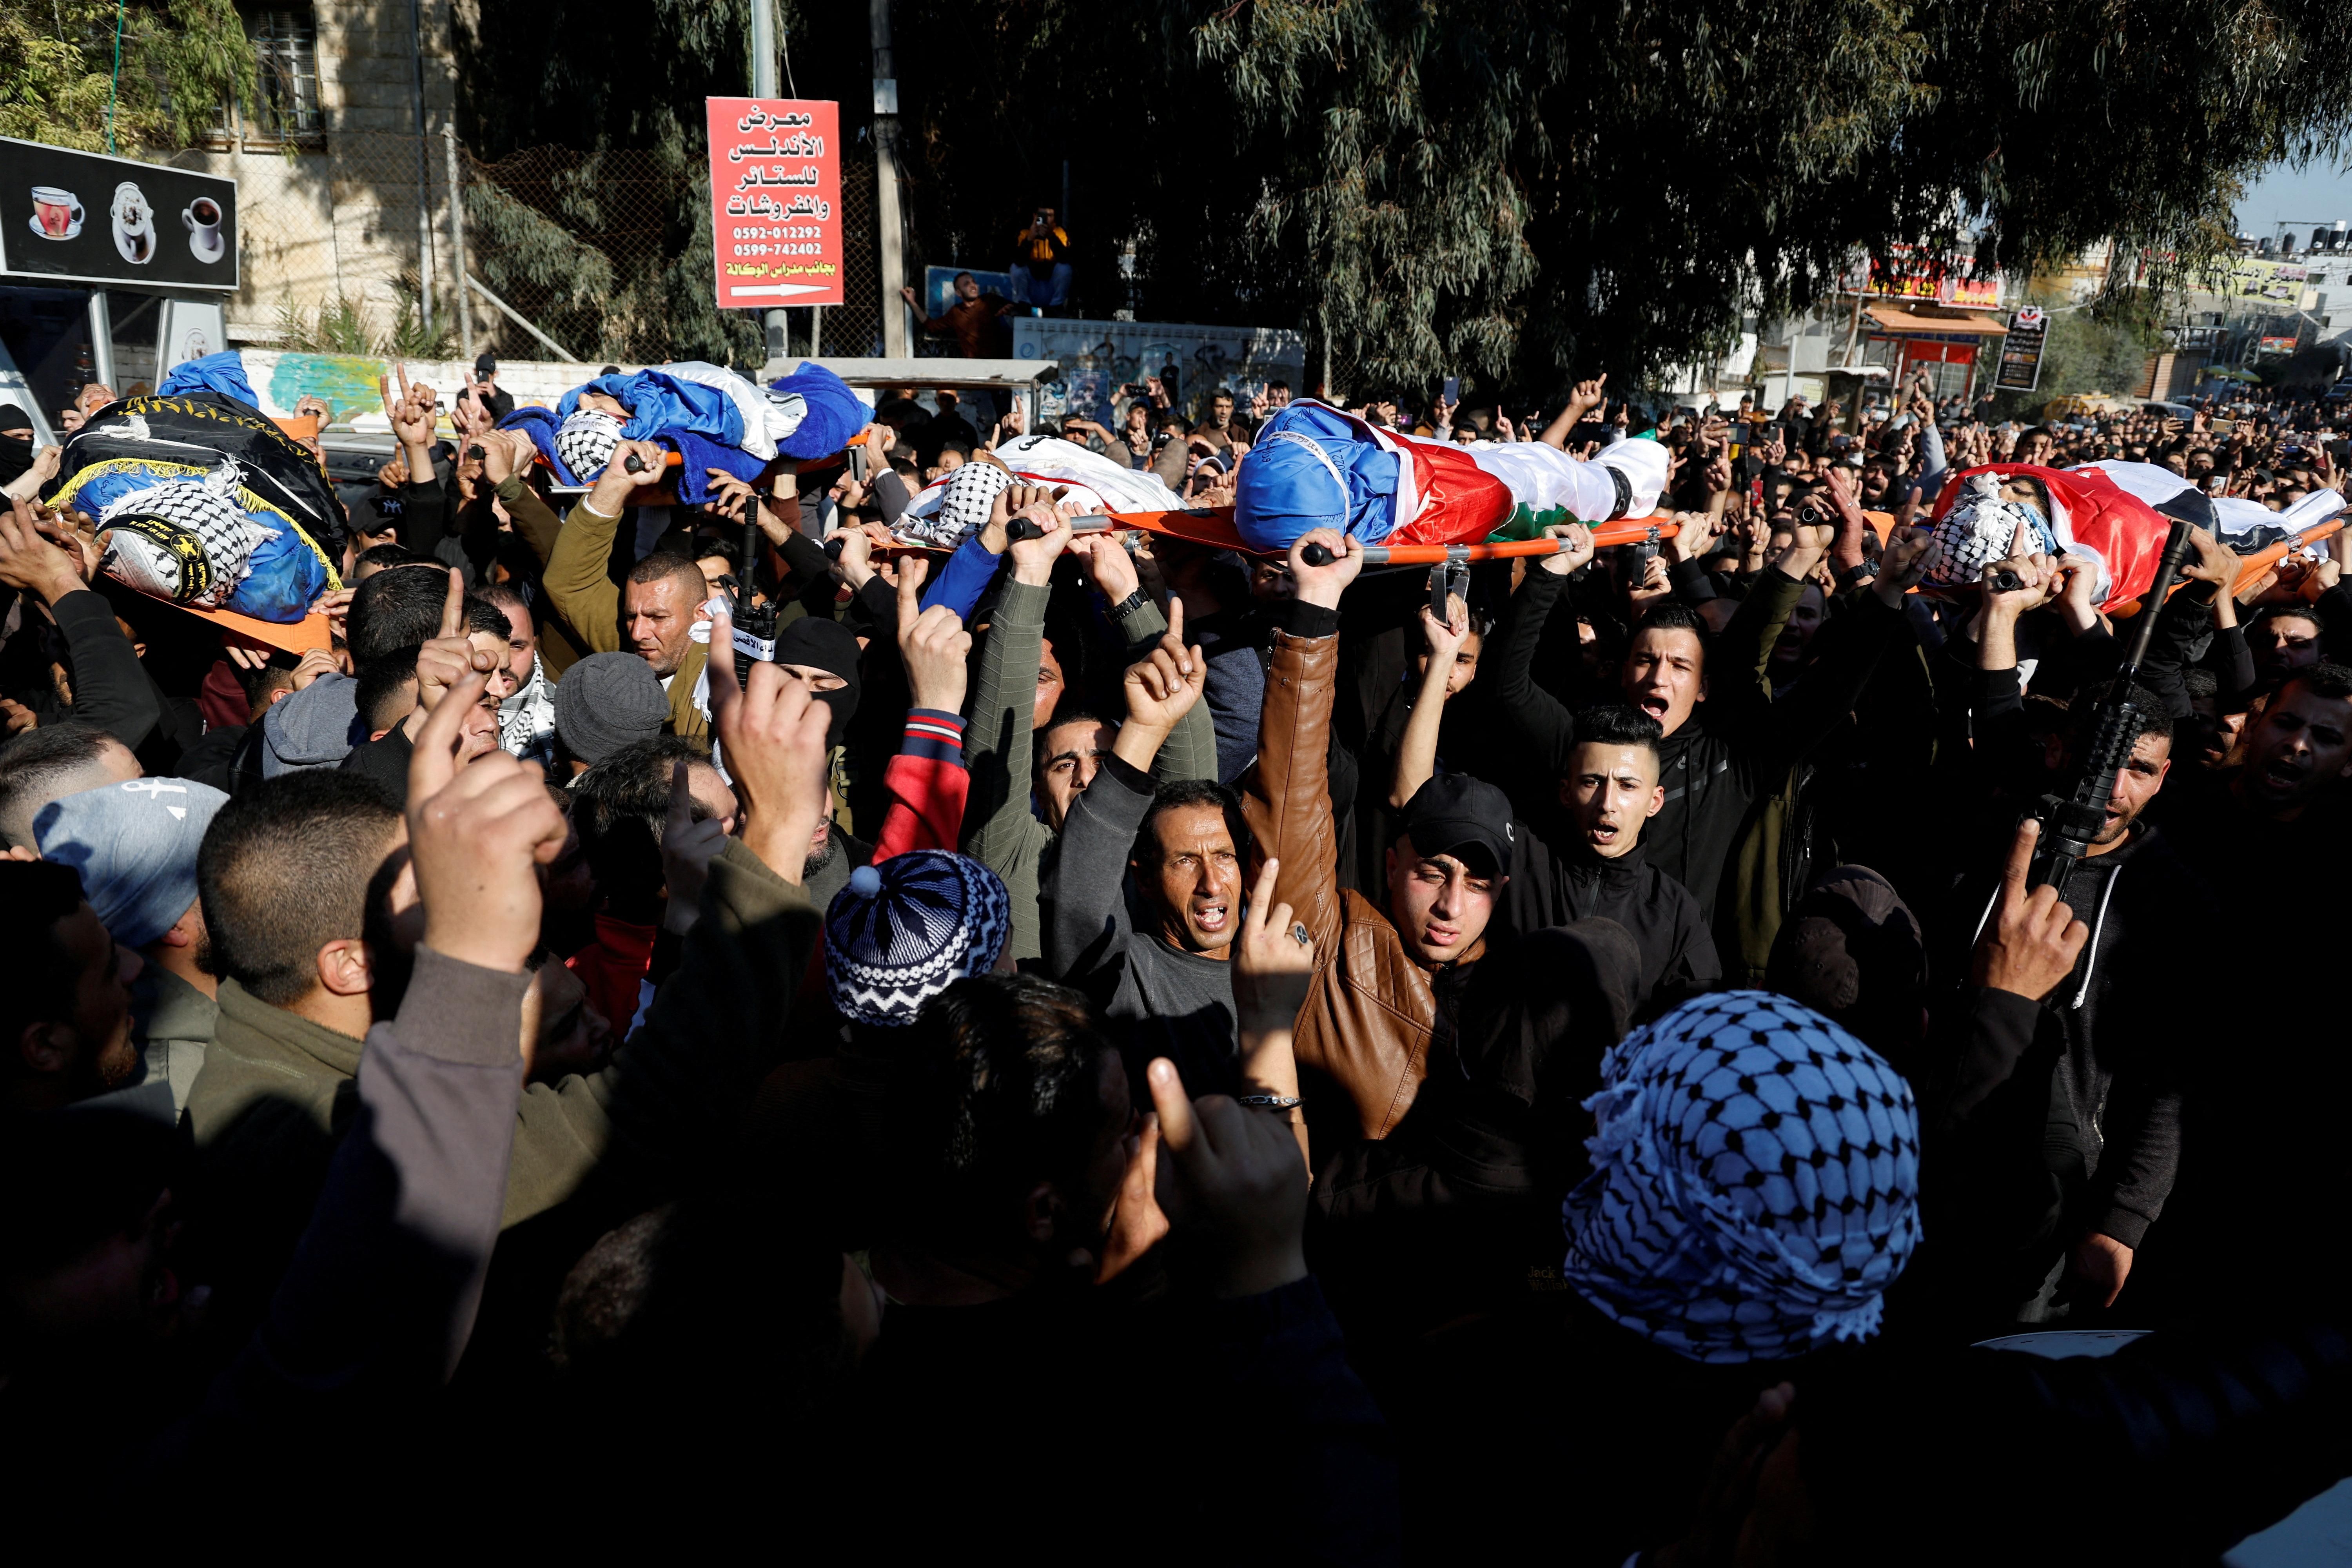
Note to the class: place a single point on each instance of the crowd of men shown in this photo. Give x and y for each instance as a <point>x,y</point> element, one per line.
<point>1137,1050</point>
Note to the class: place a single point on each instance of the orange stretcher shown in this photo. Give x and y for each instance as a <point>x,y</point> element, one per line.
<point>2251,567</point>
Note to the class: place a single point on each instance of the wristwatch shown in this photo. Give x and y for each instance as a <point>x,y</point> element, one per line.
<point>1130,605</point>
<point>1861,572</point>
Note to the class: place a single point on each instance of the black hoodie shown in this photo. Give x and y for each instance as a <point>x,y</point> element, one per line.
<point>1549,888</point>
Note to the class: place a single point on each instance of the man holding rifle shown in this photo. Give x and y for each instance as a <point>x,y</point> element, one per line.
<point>2055,1092</point>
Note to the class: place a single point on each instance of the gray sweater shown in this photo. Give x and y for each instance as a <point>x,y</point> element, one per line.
<point>1161,1000</point>
<point>1000,829</point>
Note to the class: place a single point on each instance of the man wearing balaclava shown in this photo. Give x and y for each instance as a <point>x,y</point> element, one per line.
<point>824,653</point>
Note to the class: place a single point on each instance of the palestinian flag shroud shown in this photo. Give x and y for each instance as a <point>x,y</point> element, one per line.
<point>1313,466</point>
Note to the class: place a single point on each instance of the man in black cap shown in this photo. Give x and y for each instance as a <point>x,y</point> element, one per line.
<point>486,387</point>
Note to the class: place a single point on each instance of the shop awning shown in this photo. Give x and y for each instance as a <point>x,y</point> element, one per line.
<point>1891,320</point>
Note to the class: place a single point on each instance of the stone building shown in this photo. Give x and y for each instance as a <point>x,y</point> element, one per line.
<point>341,199</point>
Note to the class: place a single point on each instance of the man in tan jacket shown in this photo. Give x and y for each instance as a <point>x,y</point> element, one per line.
<point>1386,980</point>
<point>653,614</point>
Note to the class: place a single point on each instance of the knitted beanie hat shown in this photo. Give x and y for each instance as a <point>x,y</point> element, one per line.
<point>905,930</point>
<point>586,442</point>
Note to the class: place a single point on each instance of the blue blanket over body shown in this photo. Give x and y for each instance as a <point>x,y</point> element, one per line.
<point>223,373</point>
<point>702,424</point>
<point>1289,490</point>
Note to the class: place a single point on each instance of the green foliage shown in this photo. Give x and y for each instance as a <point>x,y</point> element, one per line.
<point>181,60</point>
<point>340,325</point>
<point>1537,188</point>
<point>625,239</point>
<point>336,325</point>
<point>2103,350</point>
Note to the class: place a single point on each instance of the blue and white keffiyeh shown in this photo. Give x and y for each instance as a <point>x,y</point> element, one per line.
<point>1755,1184</point>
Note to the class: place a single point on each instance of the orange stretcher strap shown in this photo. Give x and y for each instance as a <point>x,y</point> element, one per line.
<point>1215,529</point>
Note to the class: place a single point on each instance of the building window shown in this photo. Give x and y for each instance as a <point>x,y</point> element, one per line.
<point>286,75</point>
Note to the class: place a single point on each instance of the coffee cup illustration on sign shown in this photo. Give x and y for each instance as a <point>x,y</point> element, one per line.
<point>134,225</point>
<point>56,213</point>
<point>202,218</point>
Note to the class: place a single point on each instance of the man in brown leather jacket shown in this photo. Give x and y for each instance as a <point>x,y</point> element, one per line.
<point>1386,980</point>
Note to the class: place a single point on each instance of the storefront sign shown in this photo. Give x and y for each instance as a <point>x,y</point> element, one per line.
<point>1910,272</point>
<point>2021,351</point>
<point>775,201</point>
<point>84,217</point>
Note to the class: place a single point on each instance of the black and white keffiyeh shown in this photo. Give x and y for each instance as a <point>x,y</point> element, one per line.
<point>1980,529</point>
<point>585,441</point>
<point>905,930</point>
<point>188,540</point>
<point>1755,1182</point>
<point>963,506</point>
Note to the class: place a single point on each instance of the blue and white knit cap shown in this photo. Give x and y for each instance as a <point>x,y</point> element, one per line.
<point>905,930</point>
<point>585,441</point>
<point>1755,1184</point>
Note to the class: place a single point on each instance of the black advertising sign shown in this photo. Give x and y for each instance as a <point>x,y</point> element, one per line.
<point>84,217</point>
<point>2021,351</point>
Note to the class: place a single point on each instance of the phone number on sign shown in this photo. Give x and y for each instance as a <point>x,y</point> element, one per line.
<point>787,231</point>
<point>779,250</point>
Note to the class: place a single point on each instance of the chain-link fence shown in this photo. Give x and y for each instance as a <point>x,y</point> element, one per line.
<point>348,245</point>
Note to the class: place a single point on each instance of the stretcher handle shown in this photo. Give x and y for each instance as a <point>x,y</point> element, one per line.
<point>1629,531</point>
<point>636,465</point>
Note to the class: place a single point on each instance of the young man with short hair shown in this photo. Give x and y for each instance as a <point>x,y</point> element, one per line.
<point>1609,793</point>
<point>67,1025</point>
<point>49,762</point>
<point>314,921</point>
<point>1729,752</point>
<point>2061,1110</point>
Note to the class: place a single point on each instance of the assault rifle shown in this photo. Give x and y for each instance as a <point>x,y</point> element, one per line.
<point>2071,822</point>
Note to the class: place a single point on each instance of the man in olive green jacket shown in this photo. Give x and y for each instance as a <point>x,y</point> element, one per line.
<point>653,615</point>
<point>276,1092</point>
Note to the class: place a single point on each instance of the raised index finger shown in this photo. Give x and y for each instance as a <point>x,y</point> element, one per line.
<point>453,606</point>
<point>1261,901</point>
<point>433,762</point>
<point>721,662</point>
<point>681,800</point>
<point>2021,861</point>
<point>1179,1134</point>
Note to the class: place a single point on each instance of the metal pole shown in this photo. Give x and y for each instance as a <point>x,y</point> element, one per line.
<point>886,184</point>
<point>458,239</point>
<point>423,173</point>
<point>101,342</point>
<point>816,331</point>
<point>775,325</point>
<point>520,319</point>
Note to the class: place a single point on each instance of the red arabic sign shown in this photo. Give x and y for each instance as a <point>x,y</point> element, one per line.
<point>775,201</point>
